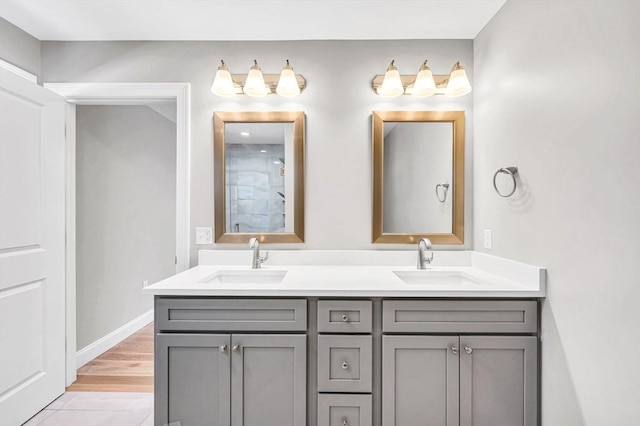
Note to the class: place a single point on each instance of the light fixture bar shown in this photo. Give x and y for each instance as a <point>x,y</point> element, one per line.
<point>408,80</point>
<point>270,80</point>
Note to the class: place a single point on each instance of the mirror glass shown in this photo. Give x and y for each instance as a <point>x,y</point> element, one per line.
<point>418,176</point>
<point>261,165</point>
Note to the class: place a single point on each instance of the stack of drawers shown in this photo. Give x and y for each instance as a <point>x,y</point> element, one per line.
<point>344,362</point>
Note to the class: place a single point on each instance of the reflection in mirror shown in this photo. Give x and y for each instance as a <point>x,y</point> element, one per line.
<point>418,176</point>
<point>259,176</point>
<point>417,158</point>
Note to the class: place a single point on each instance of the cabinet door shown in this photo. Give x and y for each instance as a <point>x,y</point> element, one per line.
<point>193,384</point>
<point>420,380</point>
<point>498,381</point>
<point>269,378</point>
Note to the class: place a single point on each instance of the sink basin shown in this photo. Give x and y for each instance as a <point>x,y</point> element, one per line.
<point>253,276</point>
<point>433,277</point>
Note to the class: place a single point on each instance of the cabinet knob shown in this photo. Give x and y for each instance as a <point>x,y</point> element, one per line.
<point>454,350</point>
<point>223,348</point>
<point>345,366</point>
<point>468,350</point>
<point>236,348</point>
<point>345,318</point>
<point>344,422</point>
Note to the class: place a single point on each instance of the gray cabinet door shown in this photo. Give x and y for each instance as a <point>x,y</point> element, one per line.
<point>193,382</point>
<point>268,380</point>
<point>420,380</point>
<point>498,381</point>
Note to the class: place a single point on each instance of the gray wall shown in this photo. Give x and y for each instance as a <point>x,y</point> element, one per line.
<point>557,93</point>
<point>338,102</point>
<point>19,48</point>
<point>126,166</point>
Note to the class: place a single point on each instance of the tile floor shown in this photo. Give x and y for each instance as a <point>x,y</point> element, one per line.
<point>97,409</point>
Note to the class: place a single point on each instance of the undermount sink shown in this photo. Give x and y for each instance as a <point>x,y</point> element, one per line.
<point>434,277</point>
<point>253,276</point>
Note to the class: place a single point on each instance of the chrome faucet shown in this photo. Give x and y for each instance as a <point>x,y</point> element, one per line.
<point>254,244</point>
<point>423,260</point>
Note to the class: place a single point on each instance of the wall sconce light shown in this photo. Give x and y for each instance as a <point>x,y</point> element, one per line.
<point>422,84</point>
<point>257,84</point>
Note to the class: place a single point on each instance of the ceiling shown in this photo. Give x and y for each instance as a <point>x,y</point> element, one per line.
<point>250,19</point>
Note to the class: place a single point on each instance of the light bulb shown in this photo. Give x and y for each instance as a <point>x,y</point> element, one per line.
<point>424,85</point>
<point>223,83</point>
<point>392,83</point>
<point>288,84</point>
<point>254,86</point>
<point>458,82</point>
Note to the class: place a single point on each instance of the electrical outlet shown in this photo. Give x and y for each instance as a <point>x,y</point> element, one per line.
<point>204,236</point>
<point>145,283</point>
<point>488,239</point>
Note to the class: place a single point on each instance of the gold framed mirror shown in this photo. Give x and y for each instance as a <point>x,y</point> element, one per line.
<point>418,176</point>
<point>259,176</point>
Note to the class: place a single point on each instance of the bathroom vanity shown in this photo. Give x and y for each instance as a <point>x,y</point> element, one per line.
<point>326,338</point>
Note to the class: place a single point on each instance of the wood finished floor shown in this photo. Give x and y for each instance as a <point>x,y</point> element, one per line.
<point>127,367</point>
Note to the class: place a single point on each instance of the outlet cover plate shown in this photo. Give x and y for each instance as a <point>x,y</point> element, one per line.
<point>204,235</point>
<point>488,239</point>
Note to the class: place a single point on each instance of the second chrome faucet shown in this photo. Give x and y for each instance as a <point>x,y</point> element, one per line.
<point>423,260</point>
<point>257,261</point>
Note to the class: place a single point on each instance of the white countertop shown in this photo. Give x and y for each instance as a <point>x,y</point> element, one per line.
<point>479,275</point>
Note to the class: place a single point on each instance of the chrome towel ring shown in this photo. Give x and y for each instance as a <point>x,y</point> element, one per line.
<point>445,189</point>
<point>511,171</point>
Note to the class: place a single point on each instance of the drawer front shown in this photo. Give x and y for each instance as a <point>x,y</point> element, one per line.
<point>344,363</point>
<point>344,316</point>
<point>344,410</point>
<point>459,316</point>
<point>231,314</point>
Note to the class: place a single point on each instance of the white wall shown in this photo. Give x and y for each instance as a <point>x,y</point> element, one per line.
<point>19,48</point>
<point>557,94</point>
<point>338,102</point>
<point>125,196</point>
<point>417,157</point>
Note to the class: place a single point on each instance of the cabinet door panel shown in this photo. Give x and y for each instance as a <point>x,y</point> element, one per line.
<point>268,380</point>
<point>192,379</point>
<point>498,381</point>
<point>420,380</point>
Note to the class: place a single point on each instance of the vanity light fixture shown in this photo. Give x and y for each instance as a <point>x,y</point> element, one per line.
<point>255,83</point>
<point>422,84</point>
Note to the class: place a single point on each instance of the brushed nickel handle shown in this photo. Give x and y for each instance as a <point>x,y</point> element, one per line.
<point>468,350</point>
<point>223,348</point>
<point>344,422</point>
<point>236,348</point>
<point>345,318</point>
<point>345,366</point>
<point>454,350</point>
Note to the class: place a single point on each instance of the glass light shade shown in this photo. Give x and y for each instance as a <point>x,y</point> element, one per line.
<point>255,86</point>
<point>392,83</point>
<point>424,85</point>
<point>458,82</point>
<point>288,85</point>
<point>223,83</point>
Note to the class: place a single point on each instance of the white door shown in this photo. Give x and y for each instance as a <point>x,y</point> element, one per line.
<point>32,262</point>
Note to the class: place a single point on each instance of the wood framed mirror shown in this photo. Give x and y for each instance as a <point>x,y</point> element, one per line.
<point>259,176</point>
<point>418,176</point>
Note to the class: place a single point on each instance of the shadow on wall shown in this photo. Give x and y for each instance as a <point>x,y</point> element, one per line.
<point>556,376</point>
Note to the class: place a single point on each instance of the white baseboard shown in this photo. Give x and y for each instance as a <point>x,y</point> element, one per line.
<point>102,345</point>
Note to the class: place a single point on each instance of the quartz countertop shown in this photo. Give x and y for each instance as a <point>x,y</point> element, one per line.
<point>355,274</point>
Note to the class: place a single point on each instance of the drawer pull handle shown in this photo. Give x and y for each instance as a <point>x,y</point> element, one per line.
<point>454,350</point>
<point>345,366</point>
<point>223,348</point>
<point>344,422</point>
<point>468,350</point>
<point>236,348</point>
<point>345,318</point>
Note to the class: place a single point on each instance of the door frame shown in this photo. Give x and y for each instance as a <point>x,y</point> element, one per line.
<point>120,94</point>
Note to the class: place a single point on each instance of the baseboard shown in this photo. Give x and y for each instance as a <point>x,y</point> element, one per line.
<point>102,345</point>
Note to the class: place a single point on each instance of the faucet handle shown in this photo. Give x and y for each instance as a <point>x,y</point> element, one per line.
<point>428,259</point>
<point>264,258</point>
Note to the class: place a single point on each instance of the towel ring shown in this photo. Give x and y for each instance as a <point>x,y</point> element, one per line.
<point>511,171</point>
<point>445,189</point>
